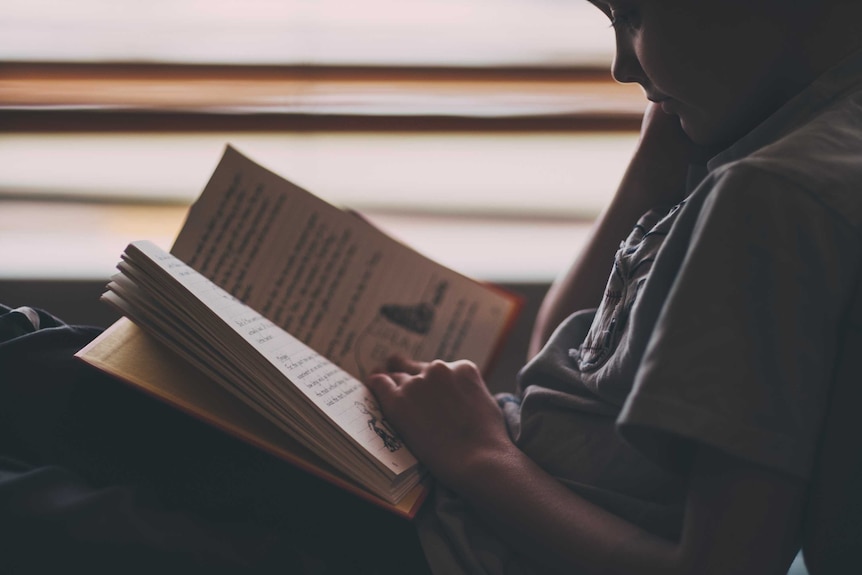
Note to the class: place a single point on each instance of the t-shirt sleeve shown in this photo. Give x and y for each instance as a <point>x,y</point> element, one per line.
<point>743,351</point>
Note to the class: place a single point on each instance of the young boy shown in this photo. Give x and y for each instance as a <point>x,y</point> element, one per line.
<point>674,428</point>
<point>671,430</point>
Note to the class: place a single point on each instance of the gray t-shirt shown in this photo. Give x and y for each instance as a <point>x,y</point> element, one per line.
<point>719,326</point>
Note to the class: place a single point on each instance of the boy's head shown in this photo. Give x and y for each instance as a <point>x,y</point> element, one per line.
<point>723,66</point>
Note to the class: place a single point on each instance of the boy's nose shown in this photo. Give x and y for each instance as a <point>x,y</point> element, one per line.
<point>626,68</point>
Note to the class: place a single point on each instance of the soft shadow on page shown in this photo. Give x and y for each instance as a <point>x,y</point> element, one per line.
<point>331,279</point>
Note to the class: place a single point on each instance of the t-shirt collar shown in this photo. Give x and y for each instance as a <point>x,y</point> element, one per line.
<point>839,79</point>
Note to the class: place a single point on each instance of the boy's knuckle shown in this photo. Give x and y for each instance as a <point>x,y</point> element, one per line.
<point>438,366</point>
<point>465,367</point>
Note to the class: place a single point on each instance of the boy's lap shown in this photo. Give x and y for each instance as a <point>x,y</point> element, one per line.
<point>90,457</point>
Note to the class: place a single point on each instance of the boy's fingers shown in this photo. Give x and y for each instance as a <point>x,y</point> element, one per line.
<point>402,364</point>
<point>380,384</point>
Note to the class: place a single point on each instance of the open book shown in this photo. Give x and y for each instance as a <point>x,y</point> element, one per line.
<point>271,308</point>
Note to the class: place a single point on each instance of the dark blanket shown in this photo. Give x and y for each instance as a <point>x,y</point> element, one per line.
<point>97,477</point>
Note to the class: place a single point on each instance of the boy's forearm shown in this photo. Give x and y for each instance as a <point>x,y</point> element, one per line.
<point>582,284</point>
<point>655,177</point>
<point>547,522</point>
<point>740,518</point>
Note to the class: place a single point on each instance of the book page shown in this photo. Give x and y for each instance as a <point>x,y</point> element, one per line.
<point>336,393</point>
<point>330,278</point>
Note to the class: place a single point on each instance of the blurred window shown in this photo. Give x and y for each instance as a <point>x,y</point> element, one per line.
<point>470,128</point>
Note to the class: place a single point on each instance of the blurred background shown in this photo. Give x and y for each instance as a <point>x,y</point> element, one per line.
<point>486,133</point>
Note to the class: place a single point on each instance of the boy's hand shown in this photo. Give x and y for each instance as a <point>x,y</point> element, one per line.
<point>665,131</point>
<point>663,156</point>
<point>443,411</point>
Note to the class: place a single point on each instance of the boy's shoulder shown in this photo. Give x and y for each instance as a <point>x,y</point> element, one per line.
<point>812,146</point>
<point>818,157</point>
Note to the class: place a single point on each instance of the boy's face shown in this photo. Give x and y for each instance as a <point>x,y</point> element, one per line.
<point>722,66</point>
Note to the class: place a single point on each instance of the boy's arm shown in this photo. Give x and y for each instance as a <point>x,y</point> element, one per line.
<point>740,518</point>
<point>655,177</point>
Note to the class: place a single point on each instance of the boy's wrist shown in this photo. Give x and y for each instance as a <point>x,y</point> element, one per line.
<point>476,470</point>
